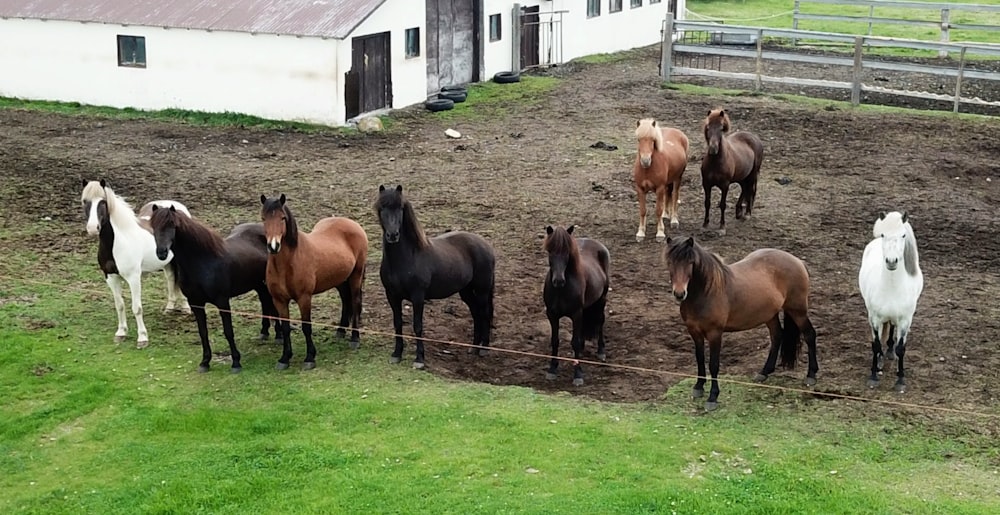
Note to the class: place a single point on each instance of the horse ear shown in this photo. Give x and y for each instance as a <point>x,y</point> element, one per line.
<point>569,229</point>
<point>881,215</point>
<point>549,229</point>
<point>282,199</point>
<point>905,217</point>
<point>638,123</point>
<point>690,242</point>
<point>726,111</point>
<point>172,208</point>
<point>654,123</point>
<point>709,112</point>
<point>263,199</point>
<point>381,188</point>
<point>399,188</point>
<point>155,207</point>
<point>104,184</point>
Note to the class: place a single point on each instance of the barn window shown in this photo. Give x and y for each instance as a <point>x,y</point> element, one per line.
<point>614,6</point>
<point>413,42</point>
<point>593,8</point>
<point>636,3</point>
<point>494,27</point>
<point>654,1</point>
<point>132,51</point>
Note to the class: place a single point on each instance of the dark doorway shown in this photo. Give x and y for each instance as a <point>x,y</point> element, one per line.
<point>454,42</point>
<point>368,85</point>
<point>529,36</point>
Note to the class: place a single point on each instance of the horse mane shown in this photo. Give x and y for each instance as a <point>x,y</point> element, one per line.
<point>562,242</point>
<point>708,265</point>
<point>202,235</point>
<point>911,259</point>
<point>291,226</point>
<point>411,225</point>
<point>646,128</point>
<point>93,191</point>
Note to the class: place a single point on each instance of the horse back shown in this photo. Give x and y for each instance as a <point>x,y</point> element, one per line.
<point>246,257</point>
<point>457,259</point>
<point>595,264</point>
<point>335,250</point>
<point>769,280</point>
<point>343,235</point>
<point>750,148</point>
<point>675,150</point>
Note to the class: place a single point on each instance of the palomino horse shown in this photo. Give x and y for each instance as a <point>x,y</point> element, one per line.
<point>729,157</point>
<point>575,287</point>
<point>126,250</point>
<point>417,268</point>
<point>300,265</point>
<point>717,298</point>
<point>890,292</point>
<point>212,270</point>
<point>658,167</point>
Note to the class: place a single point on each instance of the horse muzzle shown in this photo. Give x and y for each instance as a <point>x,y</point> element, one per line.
<point>92,229</point>
<point>645,161</point>
<point>681,296</point>
<point>892,265</point>
<point>162,254</point>
<point>392,237</point>
<point>713,150</point>
<point>558,283</point>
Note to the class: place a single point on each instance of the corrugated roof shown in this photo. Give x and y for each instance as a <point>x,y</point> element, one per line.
<point>321,18</point>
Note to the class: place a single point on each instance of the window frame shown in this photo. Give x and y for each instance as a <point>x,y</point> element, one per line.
<point>635,4</point>
<point>593,8</point>
<point>611,6</point>
<point>137,42</point>
<point>414,51</point>
<point>498,34</point>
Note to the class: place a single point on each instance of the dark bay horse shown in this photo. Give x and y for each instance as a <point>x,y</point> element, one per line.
<point>417,268</point>
<point>729,157</point>
<point>659,167</point>
<point>576,286</point>
<point>717,298</point>
<point>212,270</point>
<point>302,264</point>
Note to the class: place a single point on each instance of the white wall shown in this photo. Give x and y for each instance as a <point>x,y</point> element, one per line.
<point>278,77</point>
<point>409,75</point>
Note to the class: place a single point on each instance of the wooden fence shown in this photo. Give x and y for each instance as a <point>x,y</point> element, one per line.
<point>708,40</point>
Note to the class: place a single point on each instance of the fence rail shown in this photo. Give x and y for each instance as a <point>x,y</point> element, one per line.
<point>675,43</point>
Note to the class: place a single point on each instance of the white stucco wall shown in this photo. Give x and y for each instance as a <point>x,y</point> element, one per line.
<point>409,75</point>
<point>279,77</point>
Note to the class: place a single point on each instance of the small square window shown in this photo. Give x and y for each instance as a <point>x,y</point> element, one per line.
<point>636,3</point>
<point>593,8</point>
<point>494,27</point>
<point>413,42</point>
<point>614,6</point>
<point>132,51</point>
<point>654,1</point>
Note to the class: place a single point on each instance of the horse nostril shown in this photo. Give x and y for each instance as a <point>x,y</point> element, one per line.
<point>680,295</point>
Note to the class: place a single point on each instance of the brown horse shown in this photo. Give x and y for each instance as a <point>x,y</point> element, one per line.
<point>575,287</point>
<point>717,298</point>
<point>301,265</point>
<point>659,166</point>
<point>729,157</point>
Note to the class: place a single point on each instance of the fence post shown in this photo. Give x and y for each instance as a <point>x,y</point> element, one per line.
<point>515,38</point>
<point>795,20</point>
<point>945,25</point>
<point>760,52</point>
<point>667,48</point>
<point>871,13</point>
<point>856,84</point>
<point>958,80</point>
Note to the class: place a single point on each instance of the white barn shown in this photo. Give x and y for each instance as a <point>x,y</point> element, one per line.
<point>319,61</point>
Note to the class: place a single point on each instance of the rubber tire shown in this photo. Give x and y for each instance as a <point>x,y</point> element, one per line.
<point>457,87</point>
<point>439,104</point>
<point>507,77</point>
<point>454,96</point>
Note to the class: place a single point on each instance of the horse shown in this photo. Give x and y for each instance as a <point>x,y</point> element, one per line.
<point>576,286</point>
<point>659,166</point>
<point>890,292</point>
<point>126,250</point>
<point>213,270</point>
<point>417,268</point>
<point>717,298</point>
<point>300,265</point>
<point>729,157</point>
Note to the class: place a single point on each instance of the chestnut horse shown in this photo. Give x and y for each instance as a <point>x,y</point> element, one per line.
<point>575,287</point>
<point>302,264</point>
<point>729,157</point>
<point>659,166</point>
<point>717,298</point>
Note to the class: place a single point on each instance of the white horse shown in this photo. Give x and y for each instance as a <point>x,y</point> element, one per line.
<point>890,291</point>
<point>127,250</point>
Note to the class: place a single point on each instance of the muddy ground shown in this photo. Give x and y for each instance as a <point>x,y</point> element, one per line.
<point>514,173</point>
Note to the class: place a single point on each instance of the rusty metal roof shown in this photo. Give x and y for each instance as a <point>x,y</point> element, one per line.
<point>321,18</point>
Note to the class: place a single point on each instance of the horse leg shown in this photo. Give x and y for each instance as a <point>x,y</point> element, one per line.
<point>714,349</point>
<point>741,201</point>
<point>135,289</point>
<point>699,356</point>
<point>774,328</point>
<point>661,205</point>
<point>396,304</point>
<point>708,202</point>
<point>281,306</point>
<point>900,351</point>
<point>674,199</point>
<point>890,342</point>
<point>577,343</point>
<point>356,283</point>
<point>206,349</point>
<point>346,302</point>
<point>876,356</point>
<point>168,275</point>
<point>476,311</point>
<point>418,328</point>
<point>597,311</point>
<point>115,283</point>
<point>640,234</point>
<point>808,332</point>
<point>268,312</point>
<point>305,311</point>
<point>722,209</point>
<point>554,362</point>
<point>227,329</point>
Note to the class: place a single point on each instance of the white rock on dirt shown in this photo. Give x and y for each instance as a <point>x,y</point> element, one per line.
<point>370,124</point>
<point>452,133</point>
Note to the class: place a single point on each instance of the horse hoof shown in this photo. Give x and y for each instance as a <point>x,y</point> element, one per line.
<point>483,353</point>
<point>355,344</point>
<point>872,384</point>
<point>722,232</point>
<point>810,381</point>
<point>639,238</point>
<point>674,224</point>
<point>759,378</point>
<point>236,370</point>
<point>119,339</point>
<point>202,369</point>
<point>603,357</point>
<point>697,394</point>
<point>660,238</point>
<point>551,376</point>
<point>186,311</point>
<point>395,359</point>
<point>577,381</point>
<point>142,344</point>
<point>419,365</point>
<point>281,366</point>
<point>711,406</point>
<point>341,333</point>
<point>263,337</point>
<point>308,365</point>
<point>900,387</point>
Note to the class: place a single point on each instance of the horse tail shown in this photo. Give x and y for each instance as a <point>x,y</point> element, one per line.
<point>791,342</point>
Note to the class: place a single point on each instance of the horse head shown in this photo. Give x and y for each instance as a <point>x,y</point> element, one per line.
<point>891,228</point>
<point>716,126</point>
<point>95,206</point>
<point>389,208</point>
<point>650,140</point>
<point>164,224</point>
<point>279,224</point>
<point>562,249</point>
<point>681,262</point>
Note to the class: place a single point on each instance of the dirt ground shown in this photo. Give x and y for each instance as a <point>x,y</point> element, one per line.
<point>510,176</point>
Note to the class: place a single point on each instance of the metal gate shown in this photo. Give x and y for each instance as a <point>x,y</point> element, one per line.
<point>537,37</point>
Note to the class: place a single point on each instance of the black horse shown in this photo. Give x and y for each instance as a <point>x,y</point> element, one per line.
<point>213,270</point>
<point>417,268</point>
<point>575,287</point>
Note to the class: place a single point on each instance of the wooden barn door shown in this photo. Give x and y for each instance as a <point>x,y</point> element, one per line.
<point>529,36</point>
<point>454,39</point>
<point>368,86</point>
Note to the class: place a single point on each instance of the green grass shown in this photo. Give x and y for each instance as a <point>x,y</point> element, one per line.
<point>87,426</point>
<point>489,99</point>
